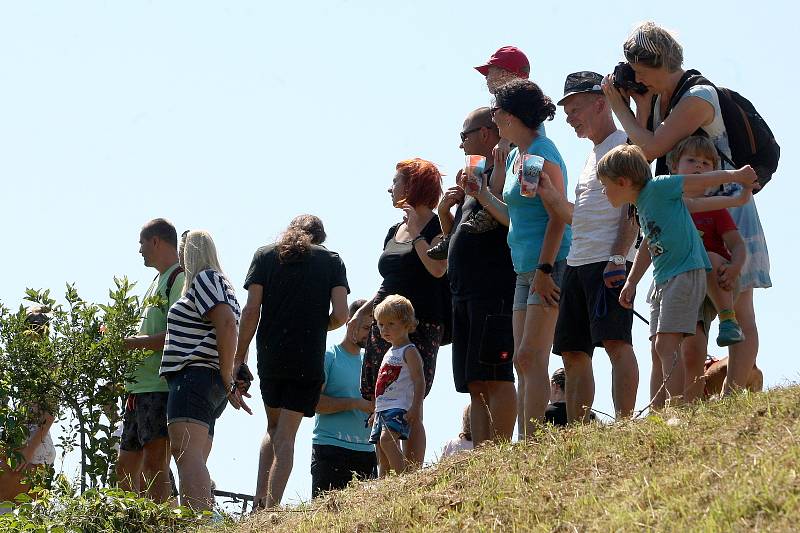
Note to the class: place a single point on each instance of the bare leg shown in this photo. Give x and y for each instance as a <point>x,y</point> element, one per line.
<point>532,358</point>
<point>265,458</point>
<point>579,385</point>
<point>155,469</point>
<point>283,458</point>
<point>668,347</point>
<point>624,376</point>
<point>693,351</point>
<point>493,411</point>
<point>756,381</point>
<point>415,445</point>
<point>383,461</point>
<point>502,406</point>
<point>518,323</point>
<point>721,298</point>
<point>480,416</point>
<point>390,447</point>
<point>129,470</point>
<point>742,356</point>
<point>187,442</point>
<point>658,395</point>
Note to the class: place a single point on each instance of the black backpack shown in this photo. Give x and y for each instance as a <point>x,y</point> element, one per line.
<point>750,139</point>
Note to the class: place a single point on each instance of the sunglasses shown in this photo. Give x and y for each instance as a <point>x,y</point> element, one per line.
<point>465,133</point>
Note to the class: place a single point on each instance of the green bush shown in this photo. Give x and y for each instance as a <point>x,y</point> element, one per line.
<point>61,510</point>
<point>72,368</point>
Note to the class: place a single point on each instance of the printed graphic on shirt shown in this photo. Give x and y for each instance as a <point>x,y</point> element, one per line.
<point>654,239</point>
<point>387,375</point>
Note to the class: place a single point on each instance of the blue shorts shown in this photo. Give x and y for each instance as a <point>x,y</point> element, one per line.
<point>196,394</point>
<point>392,419</point>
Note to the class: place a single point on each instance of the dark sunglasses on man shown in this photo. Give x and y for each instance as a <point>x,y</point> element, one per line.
<point>473,130</point>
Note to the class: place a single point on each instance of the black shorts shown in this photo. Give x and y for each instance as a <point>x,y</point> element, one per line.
<point>332,467</point>
<point>300,396</point>
<point>469,317</point>
<point>589,312</point>
<point>196,394</point>
<point>145,420</point>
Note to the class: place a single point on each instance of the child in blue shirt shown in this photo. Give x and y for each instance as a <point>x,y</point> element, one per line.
<point>679,259</point>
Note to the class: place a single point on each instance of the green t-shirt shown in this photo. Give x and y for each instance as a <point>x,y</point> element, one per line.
<point>154,320</point>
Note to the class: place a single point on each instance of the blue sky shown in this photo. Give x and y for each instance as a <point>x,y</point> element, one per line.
<point>235,117</point>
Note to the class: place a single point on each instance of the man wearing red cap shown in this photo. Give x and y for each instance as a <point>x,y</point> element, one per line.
<point>505,65</point>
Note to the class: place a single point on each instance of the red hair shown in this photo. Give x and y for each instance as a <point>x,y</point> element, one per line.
<point>423,182</point>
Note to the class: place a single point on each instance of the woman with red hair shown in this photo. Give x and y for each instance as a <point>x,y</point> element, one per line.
<point>408,271</point>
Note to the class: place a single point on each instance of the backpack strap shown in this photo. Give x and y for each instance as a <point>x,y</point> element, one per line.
<point>170,282</point>
<point>689,79</point>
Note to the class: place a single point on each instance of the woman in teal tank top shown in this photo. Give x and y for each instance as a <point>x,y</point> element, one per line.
<point>538,240</point>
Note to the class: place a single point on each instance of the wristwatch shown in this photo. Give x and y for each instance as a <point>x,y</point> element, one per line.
<point>618,260</point>
<point>546,268</point>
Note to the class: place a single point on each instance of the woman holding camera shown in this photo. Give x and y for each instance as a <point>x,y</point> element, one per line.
<point>539,242</point>
<point>656,59</point>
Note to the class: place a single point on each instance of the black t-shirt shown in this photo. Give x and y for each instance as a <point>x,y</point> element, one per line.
<point>479,264</point>
<point>294,311</point>
<point>556,413</point>
<point>404,274</point>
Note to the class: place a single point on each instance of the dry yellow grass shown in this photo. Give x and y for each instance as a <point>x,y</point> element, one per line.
<point>725,466</point>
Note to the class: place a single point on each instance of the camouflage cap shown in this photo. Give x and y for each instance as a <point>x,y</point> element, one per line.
<point>584,81</point>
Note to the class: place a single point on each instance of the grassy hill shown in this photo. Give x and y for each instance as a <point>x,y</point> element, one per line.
<point>730,465</point>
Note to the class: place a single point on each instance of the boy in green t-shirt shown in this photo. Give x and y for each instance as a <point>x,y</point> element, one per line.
<point>672,243</point>
<point>143,463</point>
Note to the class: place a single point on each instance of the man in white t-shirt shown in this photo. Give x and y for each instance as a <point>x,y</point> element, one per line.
<point>600,255</point>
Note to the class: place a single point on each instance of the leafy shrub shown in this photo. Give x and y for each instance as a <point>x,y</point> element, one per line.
<point>61,510</point>
<point>72,367</point>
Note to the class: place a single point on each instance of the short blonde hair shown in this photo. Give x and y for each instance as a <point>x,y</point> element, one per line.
<point>397,307</point>
<point>199,253</point>
<point>651,45</point>
<point>696,145</point>
<point>625,161</point>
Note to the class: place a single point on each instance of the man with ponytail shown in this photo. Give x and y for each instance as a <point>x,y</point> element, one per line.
<point>296,292</point>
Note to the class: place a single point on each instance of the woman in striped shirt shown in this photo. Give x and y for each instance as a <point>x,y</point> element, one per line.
<point>198,365</point>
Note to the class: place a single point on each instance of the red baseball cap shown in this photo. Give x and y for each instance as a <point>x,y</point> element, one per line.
<point>509,58</point>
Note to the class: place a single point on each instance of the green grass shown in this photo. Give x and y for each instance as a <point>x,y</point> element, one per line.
<point>730,465</point>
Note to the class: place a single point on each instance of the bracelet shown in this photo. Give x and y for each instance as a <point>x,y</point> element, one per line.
<point>417,238</point>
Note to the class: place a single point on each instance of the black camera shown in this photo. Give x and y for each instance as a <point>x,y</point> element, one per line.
<point>625,78</point>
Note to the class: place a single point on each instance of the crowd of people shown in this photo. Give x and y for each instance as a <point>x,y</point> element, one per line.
<point>506,277</point>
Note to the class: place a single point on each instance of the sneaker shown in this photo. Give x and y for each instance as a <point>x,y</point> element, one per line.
<point>439,250</point>
<point>480,222</point>
<point>729,333</point>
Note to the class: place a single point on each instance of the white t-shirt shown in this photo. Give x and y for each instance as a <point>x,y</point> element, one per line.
<point>716,129</point>
<point>45,453</point>
<point>454,446</point>
<point>394,388</point>
<point>594,221</point>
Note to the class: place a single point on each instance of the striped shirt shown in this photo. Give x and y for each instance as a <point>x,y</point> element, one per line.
<point>191,338</point>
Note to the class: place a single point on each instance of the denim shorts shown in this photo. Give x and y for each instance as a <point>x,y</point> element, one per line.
<point>196,394</point>
<point>522,293</point>
<point>393,420</point>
